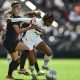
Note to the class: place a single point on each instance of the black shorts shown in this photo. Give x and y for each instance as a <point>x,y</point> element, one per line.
<point>10,46</point>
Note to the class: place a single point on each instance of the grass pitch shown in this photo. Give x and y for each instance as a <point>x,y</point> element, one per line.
<point>67,69</point>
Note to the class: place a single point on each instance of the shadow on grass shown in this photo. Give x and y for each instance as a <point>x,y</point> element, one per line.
<point>18,79</point>
<point>33,78</point>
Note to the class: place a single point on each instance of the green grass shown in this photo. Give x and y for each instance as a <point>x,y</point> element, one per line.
<point>67,69</point>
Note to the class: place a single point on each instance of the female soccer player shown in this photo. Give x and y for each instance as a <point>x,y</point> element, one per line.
<point>33,40</point>
<point>12,43</point>
<point>39,72</point>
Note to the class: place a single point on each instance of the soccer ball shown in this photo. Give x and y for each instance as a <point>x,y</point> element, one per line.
<point>51,75</point>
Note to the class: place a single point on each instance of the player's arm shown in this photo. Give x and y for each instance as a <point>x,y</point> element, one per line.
<point>27,20</point>
<point>22,30</point>
<point>37,28</point>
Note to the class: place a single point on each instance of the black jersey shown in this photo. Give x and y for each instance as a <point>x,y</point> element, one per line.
<point>11,35</point>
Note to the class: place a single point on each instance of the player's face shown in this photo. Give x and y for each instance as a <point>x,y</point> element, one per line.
<point>48,22</point>
<point>17,9</point>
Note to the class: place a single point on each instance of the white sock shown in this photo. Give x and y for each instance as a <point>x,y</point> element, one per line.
<point>32,70</point>
<point>9,58</point>
<point>46,60</point>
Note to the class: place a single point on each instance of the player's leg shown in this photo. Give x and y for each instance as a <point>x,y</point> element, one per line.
<point>30,55</point>
<point>31,59</point>
<point>36,64</point>
<point>15,60</point>
<point>22,63</point>
<point>39,72</point>
<point>23,60</point>
<point>23,57</point>
<point>48,53</point>
<point>13,64</point>
<point>30,43</point>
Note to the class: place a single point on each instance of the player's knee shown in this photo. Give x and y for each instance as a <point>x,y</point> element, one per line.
<point>14,59</point>
<point>17,59</point>
<point>49,53</point>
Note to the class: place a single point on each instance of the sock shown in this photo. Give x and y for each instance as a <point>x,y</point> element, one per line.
<point>9,58</point>
<point>37,67</point>
<point>46,60</point>
<point>32,69</point>
<point>23,58</point>
<point>12,66</point>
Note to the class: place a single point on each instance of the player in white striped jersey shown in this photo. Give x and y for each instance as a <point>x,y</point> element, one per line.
<point>39,72</point>
<point>33,40</point>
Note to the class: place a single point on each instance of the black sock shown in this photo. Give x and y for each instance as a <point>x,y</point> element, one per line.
<point>12,66</point>
<point>36,67</point>
<point>23,58</point>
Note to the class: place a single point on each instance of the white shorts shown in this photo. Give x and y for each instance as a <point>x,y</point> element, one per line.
<point>31,40</point>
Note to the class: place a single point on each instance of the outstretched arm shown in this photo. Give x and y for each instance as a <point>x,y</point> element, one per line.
<point>27,20</point>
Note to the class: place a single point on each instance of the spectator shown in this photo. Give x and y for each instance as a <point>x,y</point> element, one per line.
<point>74,16</point>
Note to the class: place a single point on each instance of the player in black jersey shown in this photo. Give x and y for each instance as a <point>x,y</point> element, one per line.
<point>12,43</point>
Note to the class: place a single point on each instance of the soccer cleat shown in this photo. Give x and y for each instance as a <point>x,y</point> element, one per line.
<point>41,73</point>
<point>46,68</point>
<point>9,78</point>
<point>23,71</point>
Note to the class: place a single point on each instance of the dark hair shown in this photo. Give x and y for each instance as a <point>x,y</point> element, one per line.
<point>14,3</point>
<point>48,15</point>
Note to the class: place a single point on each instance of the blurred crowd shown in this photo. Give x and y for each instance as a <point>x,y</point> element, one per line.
<point>67,14</point>
<point>66,36</point>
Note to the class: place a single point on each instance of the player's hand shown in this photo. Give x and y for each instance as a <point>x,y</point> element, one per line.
<point>37,28</point>
<point>8,20</point>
